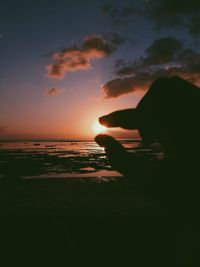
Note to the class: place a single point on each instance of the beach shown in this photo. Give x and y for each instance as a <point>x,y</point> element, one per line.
<point>67,178</point>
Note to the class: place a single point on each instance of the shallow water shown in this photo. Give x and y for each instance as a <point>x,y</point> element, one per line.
<point>58,159</point>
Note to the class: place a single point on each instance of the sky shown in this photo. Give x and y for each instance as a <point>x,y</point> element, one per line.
<point>65,63</point>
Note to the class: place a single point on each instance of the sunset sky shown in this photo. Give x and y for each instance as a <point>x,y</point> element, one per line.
<point>65,63</point>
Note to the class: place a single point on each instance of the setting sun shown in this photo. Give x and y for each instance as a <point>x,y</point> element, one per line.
<point>98,128</point>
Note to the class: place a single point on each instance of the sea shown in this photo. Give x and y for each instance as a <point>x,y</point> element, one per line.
<point>39,159</point>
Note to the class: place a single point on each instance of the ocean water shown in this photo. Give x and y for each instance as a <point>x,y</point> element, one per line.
<point>59,159</point>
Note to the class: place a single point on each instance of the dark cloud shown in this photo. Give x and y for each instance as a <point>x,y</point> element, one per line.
<point>54,91</point>
<point>167,13</point>
<point>161,51</point>
<point>119,86</point>
<point>119,15</point>
<point>142,80</point>
<point>2,128</point>
<point>194,25</point>
<point>188,56</point>
<point>105,43</point>
<point>79,58</point>
<point>109,10</point>
<point>165,57</point>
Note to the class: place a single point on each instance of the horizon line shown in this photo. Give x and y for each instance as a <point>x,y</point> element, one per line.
<point>56,139</point>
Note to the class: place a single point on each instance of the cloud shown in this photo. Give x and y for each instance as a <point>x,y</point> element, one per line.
<point>142,80</point>
<point>54,91</point>
<point>167,14</point>
<point>164,13</point>
<point>165,57</point>
<point>161,51</point>
<point>120,86</point>
<point>79,58</point>
<point>119,15</point>
<point>2,128</point>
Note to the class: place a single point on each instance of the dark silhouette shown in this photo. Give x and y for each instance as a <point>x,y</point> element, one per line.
<point>169,113</point>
